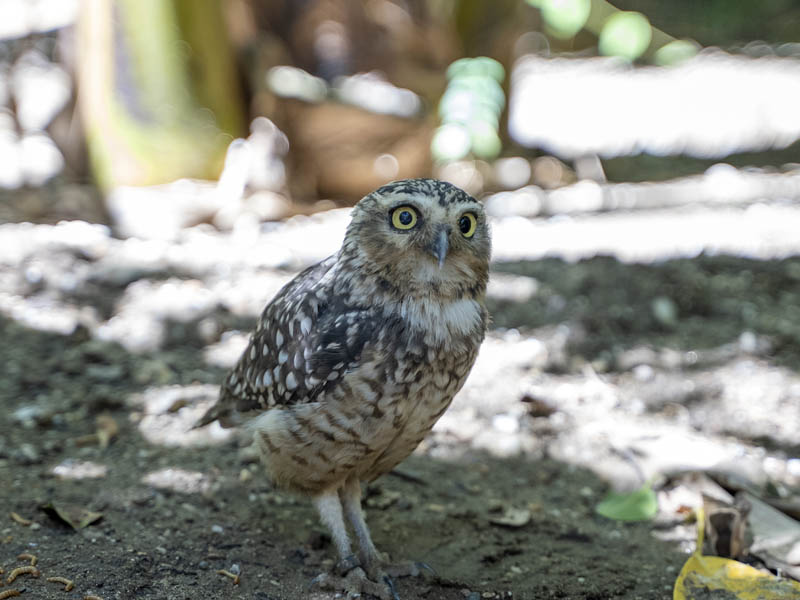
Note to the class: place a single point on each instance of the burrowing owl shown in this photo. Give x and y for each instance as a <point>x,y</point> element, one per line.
<point>356,358</point>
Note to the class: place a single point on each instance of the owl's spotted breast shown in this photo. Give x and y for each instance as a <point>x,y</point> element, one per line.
<point>427,398</point>
<point>373,418</point>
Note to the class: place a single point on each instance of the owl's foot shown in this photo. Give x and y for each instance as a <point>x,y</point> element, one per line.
<point>407,568</point>
<point>347,564</point>
<point>355,584</point>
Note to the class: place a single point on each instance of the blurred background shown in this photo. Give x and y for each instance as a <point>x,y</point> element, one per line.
<point>167,165</point>
<point>331,99</point>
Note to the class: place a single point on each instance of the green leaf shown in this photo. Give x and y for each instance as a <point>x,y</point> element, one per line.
<point>640,505</point>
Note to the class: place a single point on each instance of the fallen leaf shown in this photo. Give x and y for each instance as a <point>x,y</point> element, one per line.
<point>177,405</point>
<point>20,519</point>
<point>726,525</point>
<point>776,536</point>
<point>384,500</point>
<point>73,515</point>
<point>538,407</point>
<point>701,575</point>
<point>639,505</point>
<point>107,429</point>
<point>86,440</point>
<point>512,517</point>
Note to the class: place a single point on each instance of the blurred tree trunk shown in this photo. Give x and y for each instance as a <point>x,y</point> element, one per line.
<point>158,89</point>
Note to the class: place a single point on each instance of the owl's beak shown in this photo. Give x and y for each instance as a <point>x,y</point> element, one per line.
<point>440,245</point>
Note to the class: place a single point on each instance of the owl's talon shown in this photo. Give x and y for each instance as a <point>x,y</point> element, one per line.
<point>356,584</point>
<point>408,568</point>
<point>318,580</point>
<point>347,564</point>
<point>388,581</point>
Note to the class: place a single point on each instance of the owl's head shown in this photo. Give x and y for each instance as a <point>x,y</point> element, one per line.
<point>425,235</point>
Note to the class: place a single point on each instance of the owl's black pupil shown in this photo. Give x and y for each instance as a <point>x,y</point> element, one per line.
<point>464,224</point>
<point>406,217</point>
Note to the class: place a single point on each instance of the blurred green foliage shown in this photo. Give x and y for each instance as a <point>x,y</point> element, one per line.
<point>159,90</point>
<point>722,22</point>
<point>626,34</point>
<point>470,110</point>
<point>563,18</point>
<point>675,52</point>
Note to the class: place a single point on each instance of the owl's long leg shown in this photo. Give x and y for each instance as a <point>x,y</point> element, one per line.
<point>350,496</point>
<point>330,512</point>
<point>373,562</point>
<point>351,578</point>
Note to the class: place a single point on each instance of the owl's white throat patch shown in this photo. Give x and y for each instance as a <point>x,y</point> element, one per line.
<point>442,320</point>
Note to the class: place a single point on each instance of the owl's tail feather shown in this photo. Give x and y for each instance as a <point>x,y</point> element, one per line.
<point>221,412</point>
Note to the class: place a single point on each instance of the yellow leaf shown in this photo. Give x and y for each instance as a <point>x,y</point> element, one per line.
<point>702,574</point>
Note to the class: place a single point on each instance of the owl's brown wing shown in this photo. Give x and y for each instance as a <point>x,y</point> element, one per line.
<point>304,343</point>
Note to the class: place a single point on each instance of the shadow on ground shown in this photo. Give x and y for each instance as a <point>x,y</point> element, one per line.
<point>176,509</point>
<point>173,516</point>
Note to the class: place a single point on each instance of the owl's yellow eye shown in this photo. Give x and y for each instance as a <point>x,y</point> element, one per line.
<point>467,224</point>
<point>404,217</point>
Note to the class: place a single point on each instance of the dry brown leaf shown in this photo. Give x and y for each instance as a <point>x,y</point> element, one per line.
<point>107,429</point>
<point>73,515</point>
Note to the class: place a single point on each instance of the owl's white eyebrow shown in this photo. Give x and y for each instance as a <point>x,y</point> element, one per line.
<point>400,204</point>
<point>475,210</point>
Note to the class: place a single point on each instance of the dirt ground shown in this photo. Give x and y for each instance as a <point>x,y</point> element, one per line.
<point>595,372</point>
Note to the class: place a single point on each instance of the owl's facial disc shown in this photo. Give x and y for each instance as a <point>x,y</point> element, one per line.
<point>423,236</point>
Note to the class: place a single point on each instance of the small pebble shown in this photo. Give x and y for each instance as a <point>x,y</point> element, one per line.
<point>643,372</point>
<point>28,454</point>
<point>665,311</point>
